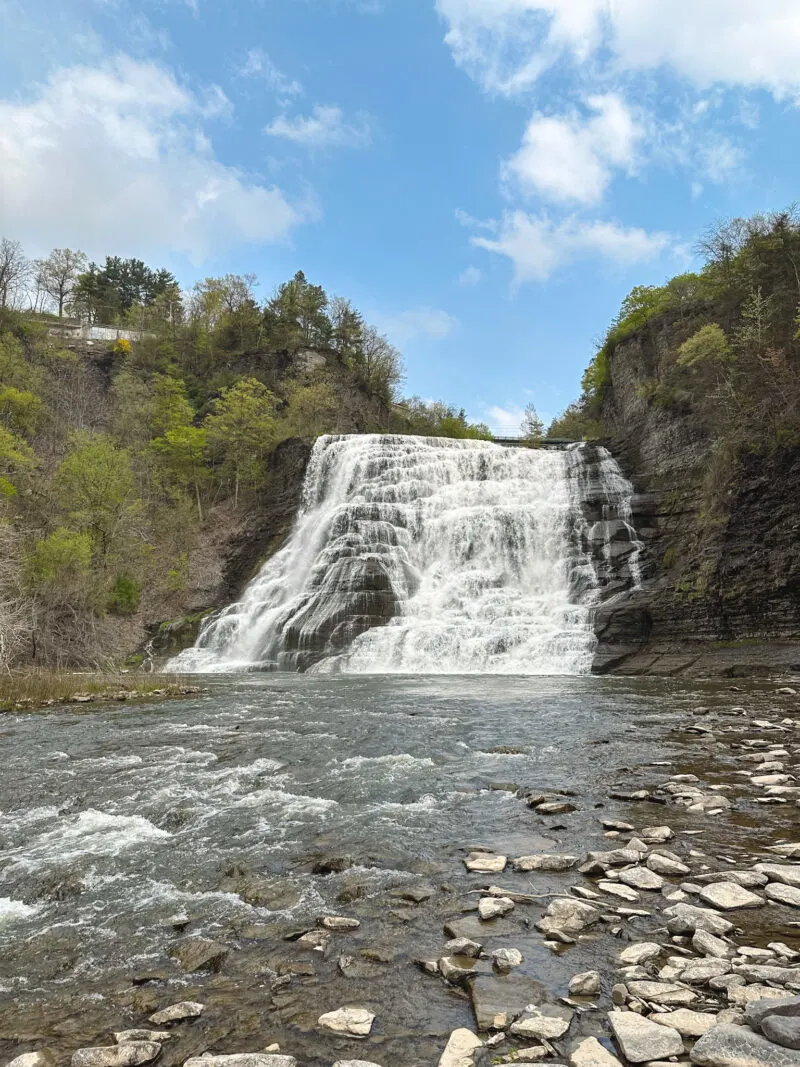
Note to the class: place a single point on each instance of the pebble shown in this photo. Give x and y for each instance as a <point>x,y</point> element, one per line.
<point>506,959</point>
<point>339,922</point>
<point>355,1021</point>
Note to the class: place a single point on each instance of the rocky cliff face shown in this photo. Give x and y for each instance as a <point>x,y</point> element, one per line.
<point>721,590</point>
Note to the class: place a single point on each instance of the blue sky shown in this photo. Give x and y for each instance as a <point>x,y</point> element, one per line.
<point>485,179</point>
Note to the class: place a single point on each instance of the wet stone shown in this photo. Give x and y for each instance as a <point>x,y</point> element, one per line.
<point>176,1013</point>
<point>686,918</point>
<point>548,1021</point>
<point>472,928</point>
<point>494,907</point>
<point>353,967</point>
<point>728,896</point>
<point>196,954</point>
<point>243,1059</point>
<point>506,959</point>
<point>497,1001</point>
<point>43,1057</point>
<point>737,1046</point>
<point>130,1055</point>
<point>783,894</point>
<point>353,1021</point>
<point>461,1049</point>
<point>544,862</point>
<point>642,1040</point>
<point>462,946</point>
<point>122,1037</point>
<point>642,878</point>
<point>640,953</point>
<point>709,945</point>
<point>662,992</point>
<point>590,1053</point>
<point>587,984</point>
<point>485,863</point>
<point>567,916</point>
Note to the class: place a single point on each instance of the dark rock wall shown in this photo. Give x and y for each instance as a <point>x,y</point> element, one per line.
<point>722,588</point>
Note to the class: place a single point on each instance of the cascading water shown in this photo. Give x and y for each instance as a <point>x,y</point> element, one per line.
<point>428,556</point>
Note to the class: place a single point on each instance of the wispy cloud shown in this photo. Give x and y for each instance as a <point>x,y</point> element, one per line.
<point>257,64</point>
<point>325,127</point>
<point>407,326</point>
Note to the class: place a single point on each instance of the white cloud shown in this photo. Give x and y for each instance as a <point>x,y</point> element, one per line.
<point>537,246</point>
<point>505,422</point>
<point>572,158</point>
<point>325,127</point>
<point>115,158</point>
<point>508,44</point>
<point>257,64</point>
<point>470,277</point>
<point>407,326</point>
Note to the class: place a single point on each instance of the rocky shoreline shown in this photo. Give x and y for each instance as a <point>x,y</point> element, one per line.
<point>689,909</point>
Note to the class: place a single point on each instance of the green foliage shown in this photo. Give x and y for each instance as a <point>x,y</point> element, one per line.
<point>708,347</point>
<point>575,423</point>
<point>125,596</point>
<point>415,416</point>
<point>241,431</point>
<point>532,428</point>
<point>296,315</point>
<point>95,486</point>
<point>311,410</point>
<point>62,559</point>
<point>109,294</point>
<point>16,459</point>
<point>20,410</point>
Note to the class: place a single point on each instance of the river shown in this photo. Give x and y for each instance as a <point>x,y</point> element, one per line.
<point>125,830</point>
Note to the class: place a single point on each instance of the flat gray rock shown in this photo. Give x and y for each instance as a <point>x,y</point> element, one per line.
<point>43,1057</point>
<point>196,954</point>
<point>662,993</point>
<point>737,1046</point>
<point>686,918</point>
<point>567,915</point>
<point>176,1013</point>
<point>473,929</point>
<point>461,1049</point>
<point>642,878</point>
<point>243,1059</point>
<point>131,1055</point>
<point>762,972</point>
<point>783,894</point>
<point>544,862</point>
<point>686,1022</point>
<point>497,1001</point>
<point>548,1021</point>
<point>728,896</point>
<point>590,1053</point>
<point>758,1010</point>
<point>641,1040</point>
<point>780,872</point>
<point>782,1030</point>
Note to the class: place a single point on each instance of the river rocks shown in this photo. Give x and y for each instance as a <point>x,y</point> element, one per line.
<point>496,1002</point>
<point>243,1059</point>
<point>780,872</point>
<point>43,1057</point>
<point>686,918</point>
<point>548,1021</point>
<point>590,1053</point>
<point>698,972</point>
<point>758,1010</point>
<point>687,1023</point>
<point>728,896</point>
<point>354,967</point>
<point>506,959</point>
<point>461,1049</point>
<point>667,866</point>
<point>642,1040</point>
<point>196,954</point>
<point>656,835</point>
<point>485,863</point>
<point>338,922</point>
<point>747,879</point>
<point>616,889</point>
<point>709,945</point>
<point>783,894</point>
<point>741,995</point>
<point>736,1046</point>
<point>355,1063</point>
<point>642,878</point>
<point>662,992</point>
<point>639,953</point>
<point>544,862</point>
<point>585,985</point>
<point>176,1013</point>
<point>782,1030</point>
<point>353,1021</point>
<point>122,1037</point>
<point>130,1055</point>
<point>473,928</point>
<point>462,946</point>
<point>567,916</point>
<point>494,907</point>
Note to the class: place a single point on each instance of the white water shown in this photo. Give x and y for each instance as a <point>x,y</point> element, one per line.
<point>476,547</point>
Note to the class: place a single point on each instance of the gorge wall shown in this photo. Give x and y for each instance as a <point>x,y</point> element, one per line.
<point>721,591</point>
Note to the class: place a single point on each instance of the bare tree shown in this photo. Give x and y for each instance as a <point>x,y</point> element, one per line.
<point>58,274</point>
<point>14,615</point>
<point>14,271</point>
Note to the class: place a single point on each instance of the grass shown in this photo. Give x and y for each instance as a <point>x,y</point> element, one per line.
<point>28,690</point>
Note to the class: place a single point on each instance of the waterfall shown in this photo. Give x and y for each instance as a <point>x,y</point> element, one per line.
<point>430,555</point>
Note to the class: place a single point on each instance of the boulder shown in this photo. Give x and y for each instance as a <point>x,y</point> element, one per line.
<point>585,985</point>
<point>709,945</point>
<point>494,907</point>
<point>43,1057</point>
<point>506,959</point>
<point>353,1021</point>
<point>130,1055</point>
<point>662,992</point>
<point>548,1021</point>
<point>567,916</point>
<point>642,1040</point>
<point>737,1046</point>
<point>783,894</point>
<point>590,1053</point>
<point>496,1002</point>
<point>196,954</point>
<point>686,918</point>
<point>758,1010</point>
<point>783,1030</point>
<point>642,878</point>
<point>243,1059</point>
<point>461,1049</point>
<point>687,1023</point>
<point>176,1013</point>
<point>728,896</point>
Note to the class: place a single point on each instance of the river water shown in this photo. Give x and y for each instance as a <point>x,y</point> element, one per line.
<point>126,830</point>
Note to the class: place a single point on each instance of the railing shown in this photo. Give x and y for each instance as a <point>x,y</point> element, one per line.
<point>522,442</point>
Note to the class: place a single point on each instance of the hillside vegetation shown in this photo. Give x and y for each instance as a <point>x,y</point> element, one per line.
<point>123,464</point>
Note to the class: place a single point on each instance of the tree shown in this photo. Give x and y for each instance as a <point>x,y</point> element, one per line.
<point>184,450</point>
<point>295,316</point>
<point>58,274</point>
<point>707,347</point>
<point>311,410</point>
<point>532,428</point>
<point>380,364</point>
<point>95,486</point>
<point>171,409</point>
<point>347,328</point>
<point>19,410</point>
<point>241,430</point>
<point>16,458</point>
<point>14,271</point>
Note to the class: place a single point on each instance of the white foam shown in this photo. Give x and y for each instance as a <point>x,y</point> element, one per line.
<point>92,832</point>
<point>14,911</point>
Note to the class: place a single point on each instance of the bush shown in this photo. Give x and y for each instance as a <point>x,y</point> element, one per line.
<point>707,347</point>
<point>124,599</point>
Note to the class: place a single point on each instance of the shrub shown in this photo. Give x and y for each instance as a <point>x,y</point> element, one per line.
<point>124,599</point>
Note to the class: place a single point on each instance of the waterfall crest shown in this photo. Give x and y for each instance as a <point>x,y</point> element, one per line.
<point>431,556</point>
